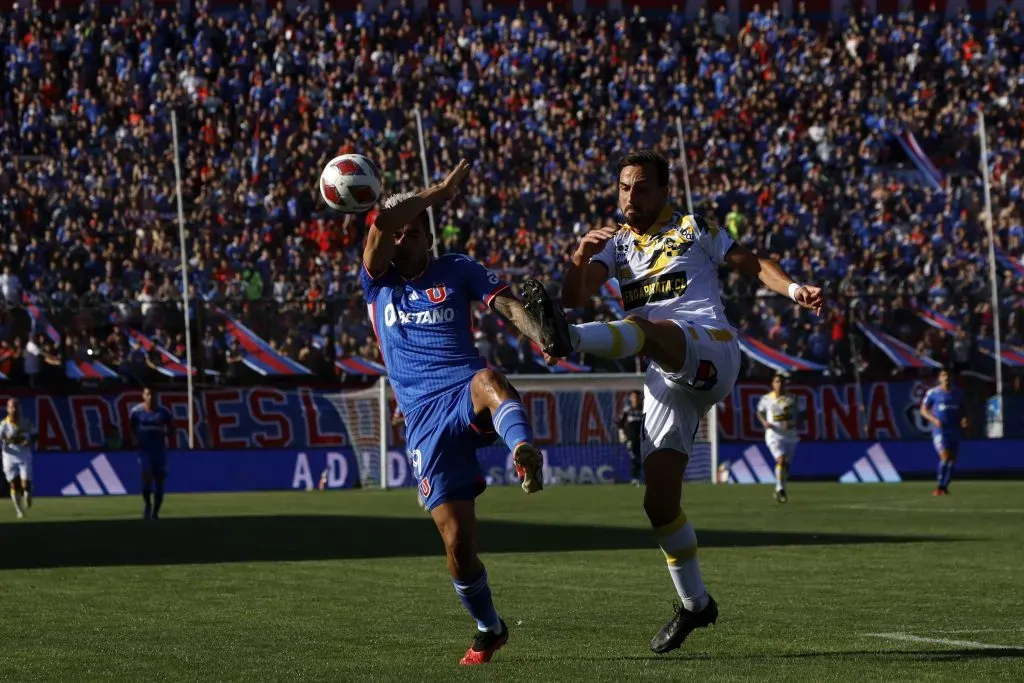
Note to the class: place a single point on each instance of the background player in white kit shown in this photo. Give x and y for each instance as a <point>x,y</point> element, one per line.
<point>17,435</point>
<point>777,412</point>
<point>667,265</point>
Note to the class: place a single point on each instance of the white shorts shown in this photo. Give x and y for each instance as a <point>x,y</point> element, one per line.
<point>676,402</point>
<point>17,466</point>
<point>781,448</point>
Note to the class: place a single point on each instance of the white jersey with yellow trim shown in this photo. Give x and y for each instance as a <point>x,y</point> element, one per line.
<point>16,437</point>
<point>670,272</point>
<point>780,411</point>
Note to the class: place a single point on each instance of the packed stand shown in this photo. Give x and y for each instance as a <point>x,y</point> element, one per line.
<point>790,132</point>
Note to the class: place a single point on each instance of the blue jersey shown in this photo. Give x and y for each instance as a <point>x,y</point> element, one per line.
<point>944,405</point>
<point>150,428</point>
<point>424,325</point>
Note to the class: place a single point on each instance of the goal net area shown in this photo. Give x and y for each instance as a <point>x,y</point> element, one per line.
<point>575,420</point>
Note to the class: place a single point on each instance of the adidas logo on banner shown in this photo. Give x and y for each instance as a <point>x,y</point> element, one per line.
<point>751,468</point>
<point>873,468</point>
<point>88,480</point>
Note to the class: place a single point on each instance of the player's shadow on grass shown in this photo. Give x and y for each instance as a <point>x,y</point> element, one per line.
<point>200,540</point>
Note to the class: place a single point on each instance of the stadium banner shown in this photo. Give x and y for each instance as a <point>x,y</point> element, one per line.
<point>268,418</point>
<point>867,462</point>
<point>117,473</point>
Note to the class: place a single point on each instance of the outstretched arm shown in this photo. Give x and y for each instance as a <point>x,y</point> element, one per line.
<point>774,278</point>
<point>512,309</point>
<point>380,242</point>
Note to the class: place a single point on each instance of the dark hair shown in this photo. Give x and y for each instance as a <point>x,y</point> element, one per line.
<point>780,375</point>
<point>647,157</point>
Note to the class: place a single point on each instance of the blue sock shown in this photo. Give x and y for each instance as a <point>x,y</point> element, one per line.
<point>147,496</point>
<point>511,423</point>
<point>476,598</point>
<point>947,475</point>
<point>158,499</point>
<point>941,474</point>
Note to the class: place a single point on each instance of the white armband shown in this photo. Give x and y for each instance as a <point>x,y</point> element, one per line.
<point>793,287</point>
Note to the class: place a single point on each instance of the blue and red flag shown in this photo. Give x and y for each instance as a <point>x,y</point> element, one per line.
<point>1011,356</point>
<point>354,365</point>
<point>39,320</point>
<point>351,365</point>
<point>561,365</point>
<point>170,365</point>
<point>87,369</point>
<point>938,320</point>
<point>775,359</point>
<point>1010,263</point>
<point>258,356</point>
<point>903,355</point>
<point>931,172</point>
<point>612,295</point>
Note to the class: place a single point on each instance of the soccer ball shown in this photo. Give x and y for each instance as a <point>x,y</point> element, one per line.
<point>350,183</point>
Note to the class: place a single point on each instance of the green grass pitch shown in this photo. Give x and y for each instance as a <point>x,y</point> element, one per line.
<point>352,586</point>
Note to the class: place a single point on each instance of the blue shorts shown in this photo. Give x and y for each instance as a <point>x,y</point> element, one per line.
<point>945,442</point>
<point>443,437</point>
<point>154,465</point>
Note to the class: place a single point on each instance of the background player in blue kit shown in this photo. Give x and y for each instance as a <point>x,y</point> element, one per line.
<point>942,407</point>
<point>151,425</point>
<point>452,402</point>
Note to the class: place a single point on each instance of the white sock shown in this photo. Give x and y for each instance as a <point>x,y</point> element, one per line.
<point>619,339</point>
<point>679,543</point>
<point>780,476</point>
<point>16,499</point>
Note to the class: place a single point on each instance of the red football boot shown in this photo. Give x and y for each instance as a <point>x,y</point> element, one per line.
<point>485,644</point>
<point>939,492</point>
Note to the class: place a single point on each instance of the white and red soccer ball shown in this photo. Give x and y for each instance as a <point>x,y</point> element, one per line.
<point>350,183</point>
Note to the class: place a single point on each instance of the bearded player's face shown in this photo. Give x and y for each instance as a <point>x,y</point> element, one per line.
<point>412,246</point>
<point>641,198</point>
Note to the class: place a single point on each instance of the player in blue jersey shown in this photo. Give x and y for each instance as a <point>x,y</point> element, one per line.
<point>942,407</point>
<point>452,402</point>
<point>151,425</point>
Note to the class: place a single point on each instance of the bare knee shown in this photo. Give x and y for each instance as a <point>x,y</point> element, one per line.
<point>460,551</point>
<point>490,379</point>
<point>457,526</point>
<point>663,471</point>
<point>490,389</point>
<point>664,342</point>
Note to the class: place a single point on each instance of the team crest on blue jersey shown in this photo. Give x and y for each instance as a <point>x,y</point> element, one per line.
<point>437,294</point>
<point>424,488</point>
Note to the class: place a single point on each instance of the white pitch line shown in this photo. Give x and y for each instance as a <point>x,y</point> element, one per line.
<point>958,631</point>
<point>929,510</point>
<point>943,641</point>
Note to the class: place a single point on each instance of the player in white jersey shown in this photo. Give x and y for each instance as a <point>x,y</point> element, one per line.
<point>777,412</point>
<point>16,438</point>
<point>667,265</point>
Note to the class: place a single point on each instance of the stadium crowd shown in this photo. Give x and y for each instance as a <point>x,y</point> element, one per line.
<point>790,129</point>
